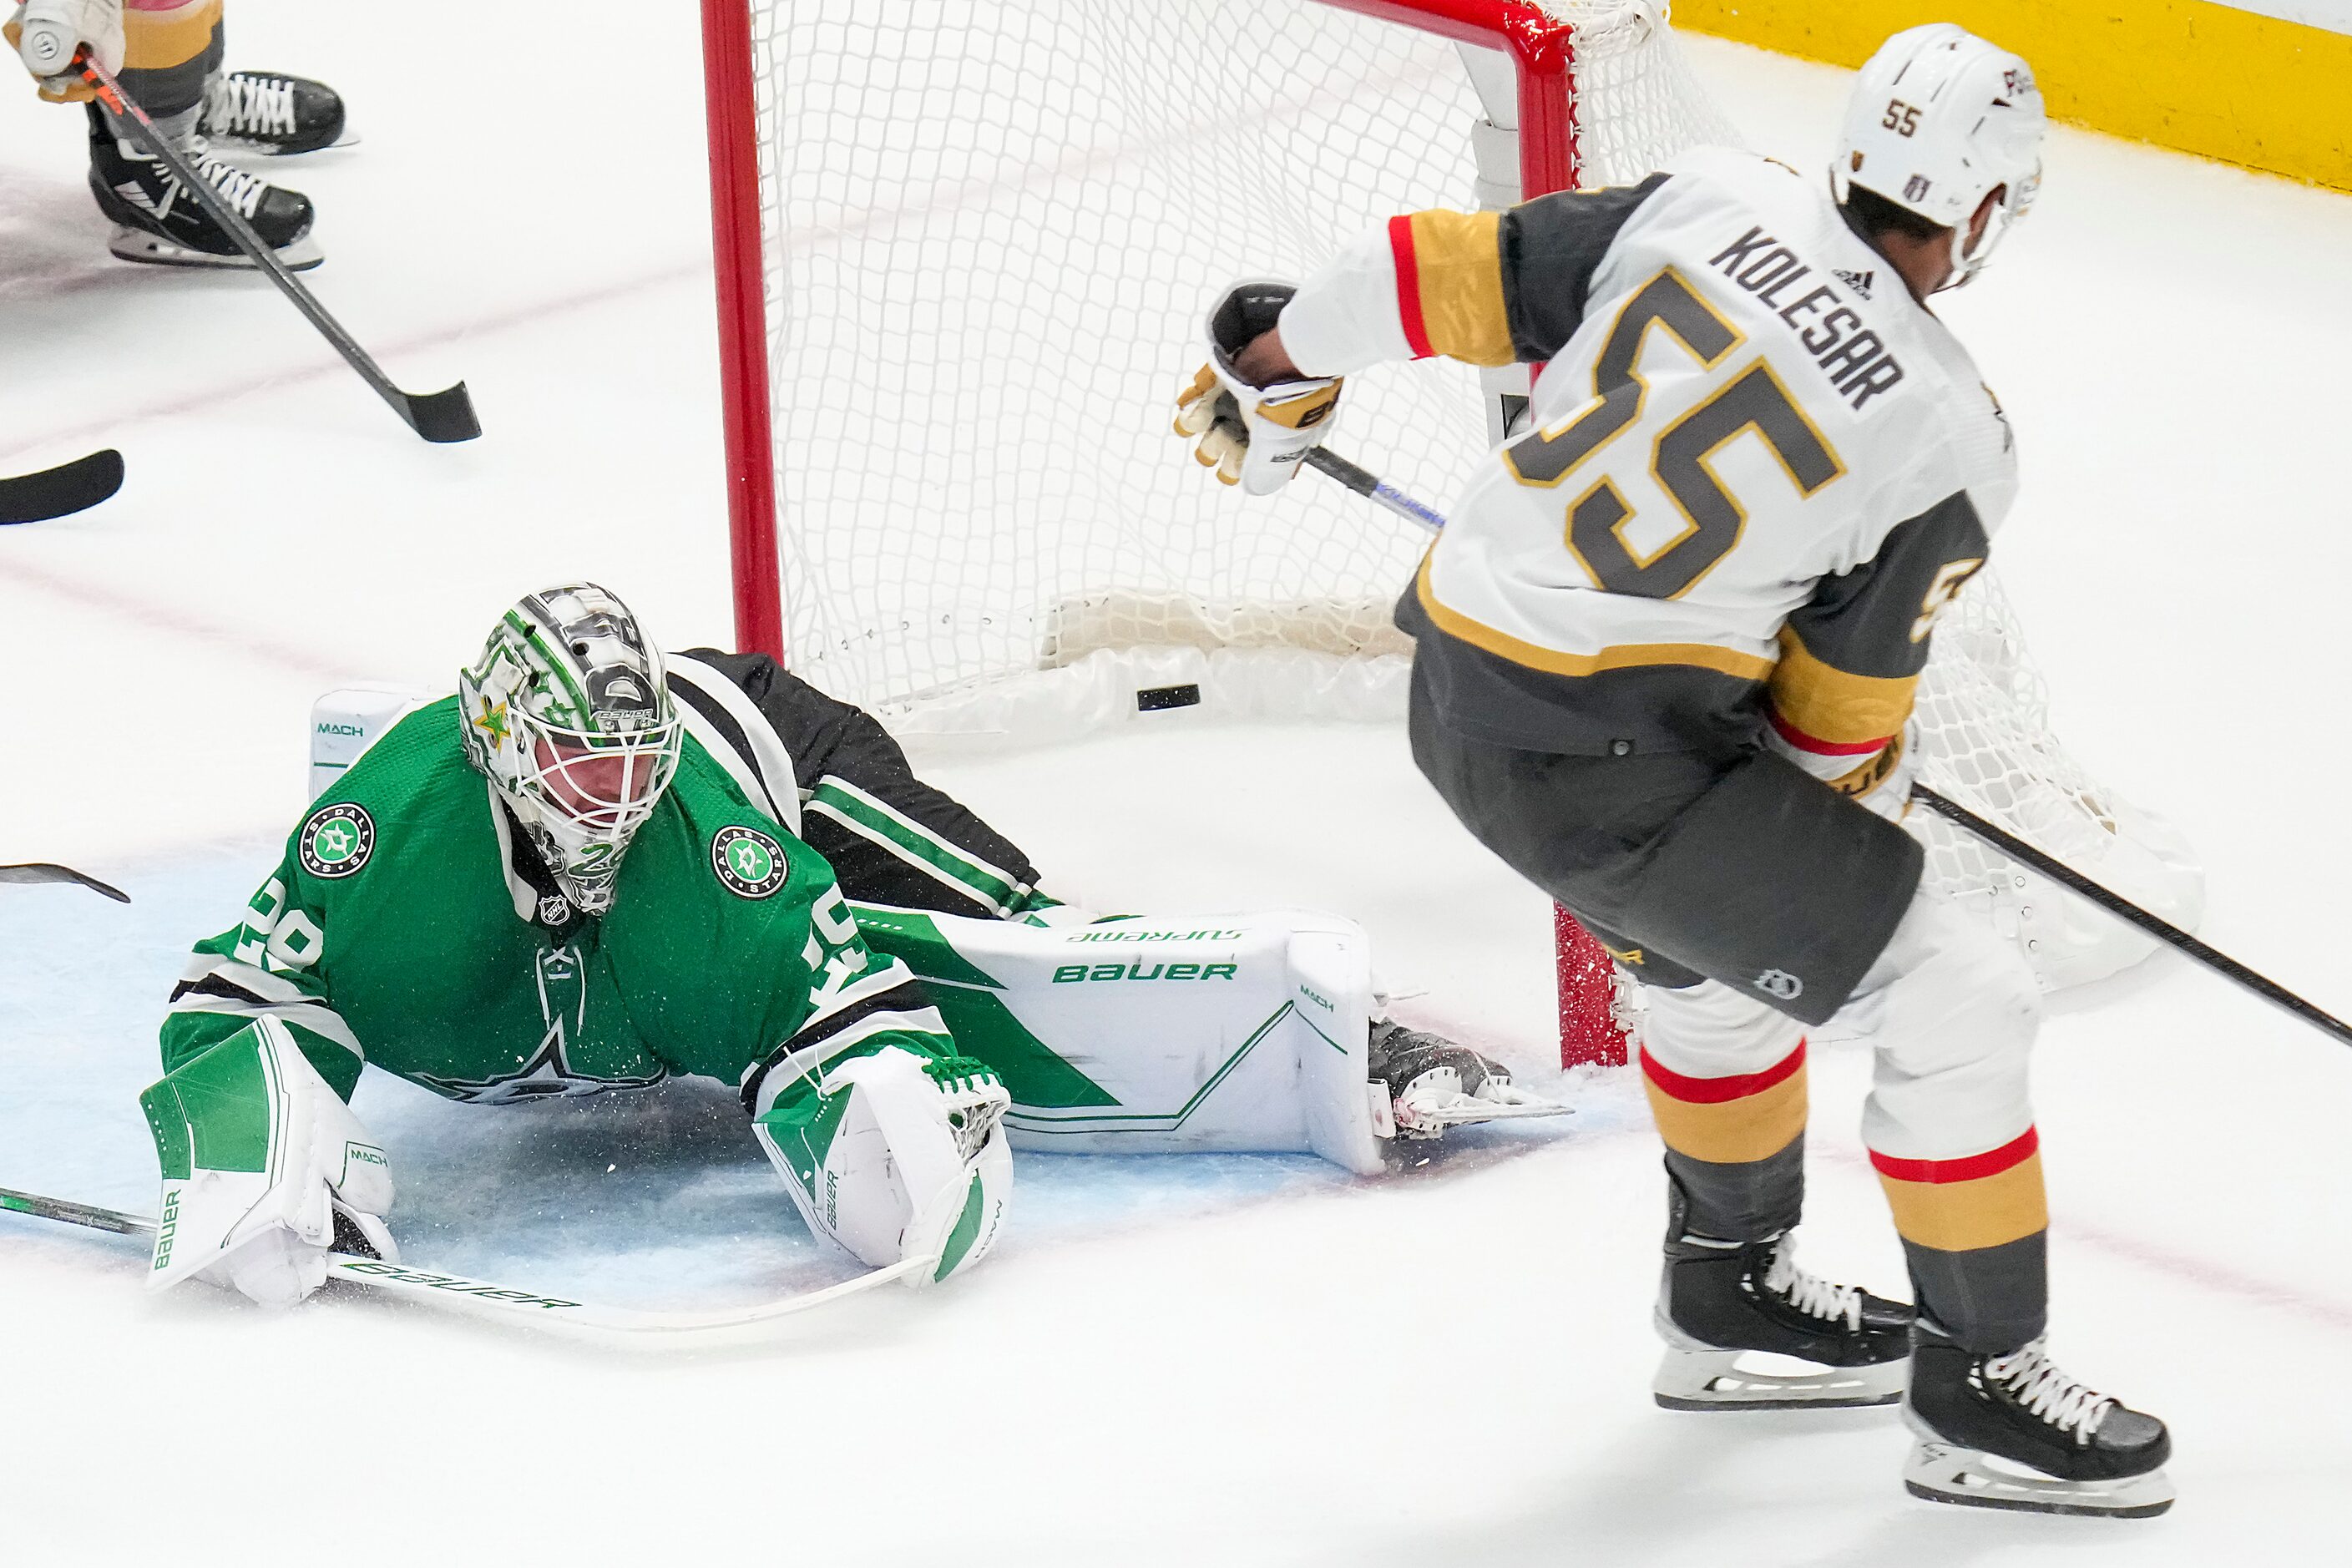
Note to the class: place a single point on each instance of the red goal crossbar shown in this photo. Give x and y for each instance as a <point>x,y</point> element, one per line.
<point>1542,49</point>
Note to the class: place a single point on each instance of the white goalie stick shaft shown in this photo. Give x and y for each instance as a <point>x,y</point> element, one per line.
<point>500,1304</point>
<point>444,415</point>
<point>43,871</point>
<point>1365,483</point>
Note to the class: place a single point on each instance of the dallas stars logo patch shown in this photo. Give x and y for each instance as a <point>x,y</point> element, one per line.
<point>337,841</point>
<point>748,861</point>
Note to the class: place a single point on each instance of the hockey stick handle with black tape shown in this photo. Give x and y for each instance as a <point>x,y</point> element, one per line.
<point>444,415</point>
<point>523,1308</point>
<point>1365,483</point>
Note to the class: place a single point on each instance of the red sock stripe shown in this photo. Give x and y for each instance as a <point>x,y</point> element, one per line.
<point>1717,1090</point>
<point>1974,1168</point>
<point>1818,746</point>
<point>1408,272</point>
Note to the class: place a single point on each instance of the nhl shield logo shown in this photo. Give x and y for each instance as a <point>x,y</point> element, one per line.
<point>336,841</point>
<point>1781,983</point>
<point>750,863</point>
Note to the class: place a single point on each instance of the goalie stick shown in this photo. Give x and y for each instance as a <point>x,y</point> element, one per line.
<point>42,871</point>
<point>1365,483</point>
<point>63,491</point>
<point>522,1309</point>
<point>445,416</point>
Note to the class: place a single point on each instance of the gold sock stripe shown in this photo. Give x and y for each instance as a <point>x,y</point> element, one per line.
<point>163,40</point>
<point>1732,1131</point>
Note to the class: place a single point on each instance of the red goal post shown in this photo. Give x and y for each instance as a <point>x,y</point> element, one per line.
<point>1542,49</point>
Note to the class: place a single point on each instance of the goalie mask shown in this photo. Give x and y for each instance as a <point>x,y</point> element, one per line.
<point>568,715</point>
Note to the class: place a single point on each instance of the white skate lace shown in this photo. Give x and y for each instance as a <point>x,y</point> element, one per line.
<point>1810,1293</point>
<point>245,103</point>
<point>2035,1382</point>
<point>244,191</point>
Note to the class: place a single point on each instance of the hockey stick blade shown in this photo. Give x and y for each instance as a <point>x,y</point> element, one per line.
<point>42,871</point>
<point>521,1308</point>
<point>445,416</point>
<point>63,491</point>
<point>2122,909</point>
<point>436,416</point>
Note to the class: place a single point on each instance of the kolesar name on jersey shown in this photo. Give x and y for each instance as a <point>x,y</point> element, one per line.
<point>1855,359</point>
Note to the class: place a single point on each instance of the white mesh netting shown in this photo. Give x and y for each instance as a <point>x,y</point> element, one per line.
<point>991,230</point>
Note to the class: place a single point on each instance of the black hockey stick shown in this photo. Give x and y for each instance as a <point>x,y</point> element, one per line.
<point>2122,909</point>
<point>447,416</point>
<point>1365,484</point>
<point>42,871</point>
<point>63,491</point>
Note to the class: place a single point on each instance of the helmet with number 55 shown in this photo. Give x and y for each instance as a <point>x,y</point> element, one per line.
<point>1940,120</point>
<point>568,714</point>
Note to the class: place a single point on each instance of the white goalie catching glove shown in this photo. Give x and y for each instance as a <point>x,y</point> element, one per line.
<point>1434,1085</point>
<point>48,32</point>
<point>1253,435</point>
<point>265,1171</point>
<point>896,1157</point>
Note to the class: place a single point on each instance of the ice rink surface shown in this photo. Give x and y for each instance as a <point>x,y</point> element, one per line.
<point>1242,1360</point>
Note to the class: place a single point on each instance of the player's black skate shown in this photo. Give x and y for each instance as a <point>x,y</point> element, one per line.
<point>157,221</point>
<point>1723,1301</point>
<point>1434,1085</point>
<point>271,114</point>
<point>2014,1431</point>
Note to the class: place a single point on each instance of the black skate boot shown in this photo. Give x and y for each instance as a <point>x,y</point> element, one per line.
<point>1722,1300</point>
<point>157,221</point>
<point>1434,1085</point>
<point>272,114</point>
<point>2013,1431</point>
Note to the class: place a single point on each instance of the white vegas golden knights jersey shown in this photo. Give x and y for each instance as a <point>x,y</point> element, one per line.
<point>1754,469</point>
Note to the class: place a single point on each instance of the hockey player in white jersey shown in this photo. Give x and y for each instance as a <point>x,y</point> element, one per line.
<point>1666,652</point>
<point>168,55</point>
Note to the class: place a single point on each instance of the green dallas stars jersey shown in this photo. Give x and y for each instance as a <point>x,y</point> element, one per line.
<point>409,925</point>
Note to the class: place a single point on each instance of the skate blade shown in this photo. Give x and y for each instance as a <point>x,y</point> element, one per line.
<point>153,250</point>
<point>1714,1380</point>
<point>1969,1478</point>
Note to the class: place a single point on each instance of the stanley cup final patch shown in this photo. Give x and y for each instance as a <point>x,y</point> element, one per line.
<point>337,841</point>
<point>748,861</point>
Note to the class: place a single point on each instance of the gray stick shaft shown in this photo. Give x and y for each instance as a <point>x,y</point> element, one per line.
<point>2122,909</point>
<point>444,415</point>
<point>1365,483</point>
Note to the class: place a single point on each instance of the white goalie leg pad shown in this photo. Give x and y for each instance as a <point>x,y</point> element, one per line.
<point>1161,1033</point>
<point>263,1157</point>
<point>894,1163</point>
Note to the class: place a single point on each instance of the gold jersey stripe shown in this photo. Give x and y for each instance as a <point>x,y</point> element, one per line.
<point>1731,1131</point>
<point>1553,661</point>
<point>1459,261</point>
<point>1830,705</point>
<point>1957,1217</point>
<point>159,40</point>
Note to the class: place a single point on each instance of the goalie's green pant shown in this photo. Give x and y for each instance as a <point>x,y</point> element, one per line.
<point>1751,899</point>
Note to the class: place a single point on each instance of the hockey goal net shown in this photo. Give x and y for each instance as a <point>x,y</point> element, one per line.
<point>964,252</point>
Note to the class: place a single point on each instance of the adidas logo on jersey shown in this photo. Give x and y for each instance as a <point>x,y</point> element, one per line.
<point>1859,282</point>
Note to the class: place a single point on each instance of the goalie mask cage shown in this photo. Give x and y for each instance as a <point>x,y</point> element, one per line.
<point>963,250</point>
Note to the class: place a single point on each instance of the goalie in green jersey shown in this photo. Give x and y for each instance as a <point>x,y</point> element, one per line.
<point>598,866</point>
<point>449,914</point>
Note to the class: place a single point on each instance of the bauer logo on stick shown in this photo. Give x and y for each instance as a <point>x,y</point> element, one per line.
<point>748,861</point>
<point>337,841</point>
